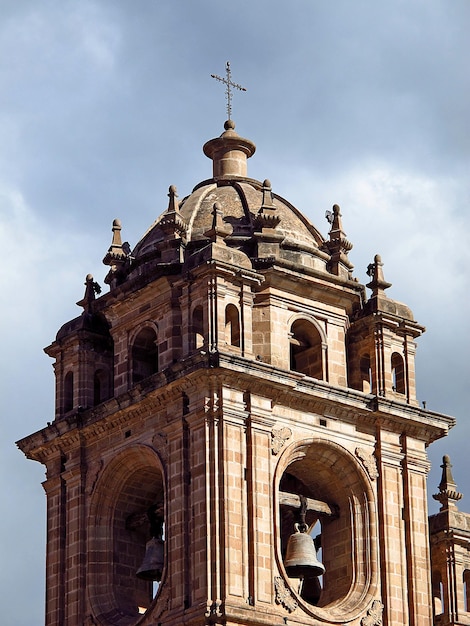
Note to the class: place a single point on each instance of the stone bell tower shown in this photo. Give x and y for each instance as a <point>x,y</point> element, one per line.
<point>450,554</point>
<point>237,438</point>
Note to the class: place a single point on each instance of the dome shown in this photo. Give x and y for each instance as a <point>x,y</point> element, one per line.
<point>251,211</point>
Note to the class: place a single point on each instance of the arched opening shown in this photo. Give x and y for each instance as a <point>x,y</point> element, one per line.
<point>144,354</point>
<point>232,325</point>
<point>306,350</point>
<point>398,373</point>
<point>339,514</point>
<point>102,388</point>
<point>68,392</point>
<point>366,373</point>
<point>198,328</point>
<point>466,590</point>
<point>130,491</point>
<point>437,592</point>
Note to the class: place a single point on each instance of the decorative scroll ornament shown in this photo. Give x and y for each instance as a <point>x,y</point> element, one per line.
<point>283,595</point>
<point>214,612</point>
<point>369,462</point>
<point>374,615</point>
<point>279,436</point>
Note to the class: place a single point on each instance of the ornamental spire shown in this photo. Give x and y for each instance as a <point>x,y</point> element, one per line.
<point>448,495</point>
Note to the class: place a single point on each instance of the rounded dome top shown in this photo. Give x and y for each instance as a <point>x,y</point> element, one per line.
<point>254,213</point>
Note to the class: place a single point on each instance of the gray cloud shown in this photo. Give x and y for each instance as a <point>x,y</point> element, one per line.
<point>105,104</point>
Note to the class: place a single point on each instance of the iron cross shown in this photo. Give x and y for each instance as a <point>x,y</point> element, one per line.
<point>228,84</point>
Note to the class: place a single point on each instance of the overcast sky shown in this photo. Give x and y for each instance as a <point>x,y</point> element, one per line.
<point>105,103</point>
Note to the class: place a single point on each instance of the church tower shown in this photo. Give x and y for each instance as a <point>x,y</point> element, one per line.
<point>237,438</point>
<point>450,554</point>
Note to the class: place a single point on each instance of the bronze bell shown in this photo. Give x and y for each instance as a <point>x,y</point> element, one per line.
<point>301,555</point>
<point>152,565</point>
<point>154,558</point>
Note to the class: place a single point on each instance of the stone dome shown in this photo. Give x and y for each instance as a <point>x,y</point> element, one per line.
<point>250,210</point>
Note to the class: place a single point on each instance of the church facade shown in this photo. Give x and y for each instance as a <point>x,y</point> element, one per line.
<point>237,437</point>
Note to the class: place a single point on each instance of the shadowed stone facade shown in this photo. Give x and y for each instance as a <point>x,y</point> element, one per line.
<point>234,375</point>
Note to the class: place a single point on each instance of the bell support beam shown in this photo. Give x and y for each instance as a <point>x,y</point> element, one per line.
<point>317,506</point>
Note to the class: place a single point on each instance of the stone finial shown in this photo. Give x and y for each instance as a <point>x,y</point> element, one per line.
<point>338,245</point>
<point>117,255</point>
<point>448,494</point>
<point>378,284</point>
<point>267,215</point>
<point>117,251</point>
<point>172,222</point>
<point>220,229</point>
<point>91,288</point>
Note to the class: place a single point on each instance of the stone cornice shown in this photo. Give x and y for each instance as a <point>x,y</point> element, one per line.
<point>283,387</point>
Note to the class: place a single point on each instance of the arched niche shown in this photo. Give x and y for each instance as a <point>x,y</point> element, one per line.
<point>307,348</point>
<point>144,353</point>
<point>326,473</point>
<point>118,530</point>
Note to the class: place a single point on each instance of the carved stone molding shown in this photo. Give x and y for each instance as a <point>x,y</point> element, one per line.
<point>374,615</point>
<point>279,436</point>
<point>162,601</point>
<point>369,462</point>
<point>214,612</point>
<point>283,595</point>
<point>160,444</point>
<point>93,474</point>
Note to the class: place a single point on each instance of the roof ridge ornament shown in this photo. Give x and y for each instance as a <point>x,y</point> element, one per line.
<point>267,215</point>
<point>338,245</point>
<point>172,222</point>
<point>448,494</point>
<point>227,81</point>
<point>378,283</point>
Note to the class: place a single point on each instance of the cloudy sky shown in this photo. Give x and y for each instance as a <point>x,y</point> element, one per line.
<point>105,103</point>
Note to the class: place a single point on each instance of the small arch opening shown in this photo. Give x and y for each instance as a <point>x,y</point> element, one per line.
<point>68,392</point>
<point>366,373</point>
<point>232,325</point>
<point>144,354</point>
<point>466,590</point>
<point>306,350</point>
<point>101,386</point>
<point>198,328</point>
<point>398,373</point>
<point>437,593</point>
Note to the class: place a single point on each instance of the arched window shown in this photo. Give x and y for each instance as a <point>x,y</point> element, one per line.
<point>437,592</point>
<point>232,325</point>
<point>366,373</point>
<point>398,373</point>
<point>198,328</point>
<point>68,392</point>
<point>466,590</point>
<point>101,386</point>
<point>306,349</point>
<point>144,354</point>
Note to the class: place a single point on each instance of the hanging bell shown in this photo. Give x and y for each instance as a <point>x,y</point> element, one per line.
<point>301,556</point>
<point>152,565</point>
